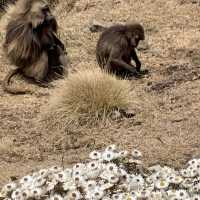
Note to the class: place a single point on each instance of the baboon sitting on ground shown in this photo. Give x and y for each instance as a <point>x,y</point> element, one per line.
<point>31,44</point>
<point>116,48</point>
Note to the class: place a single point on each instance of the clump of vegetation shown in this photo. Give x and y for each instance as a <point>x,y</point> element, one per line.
<point>90,96</point>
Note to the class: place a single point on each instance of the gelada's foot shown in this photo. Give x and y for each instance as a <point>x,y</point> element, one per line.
<point>44,84</point>
<point>140,74</point>
<point>135,76</point>
<point>144,72</point>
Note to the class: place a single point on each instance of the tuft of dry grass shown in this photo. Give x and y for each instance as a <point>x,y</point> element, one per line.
<point>6,145</point>
<point>89,96</point>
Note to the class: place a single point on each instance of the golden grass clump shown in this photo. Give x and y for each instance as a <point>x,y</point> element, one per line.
<point>89,96</point>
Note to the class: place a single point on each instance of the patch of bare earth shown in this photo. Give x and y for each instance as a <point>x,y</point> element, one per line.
<point>166,126</point>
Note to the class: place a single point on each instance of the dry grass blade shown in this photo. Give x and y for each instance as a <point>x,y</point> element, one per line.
<point>89,96</point>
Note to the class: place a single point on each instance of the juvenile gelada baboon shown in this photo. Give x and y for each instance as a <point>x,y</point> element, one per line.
<point>31,44</point>
<point>116,48</point>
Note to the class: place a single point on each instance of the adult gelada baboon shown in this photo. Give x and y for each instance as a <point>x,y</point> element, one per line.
<point>31,44</point>
<point>116,48</point>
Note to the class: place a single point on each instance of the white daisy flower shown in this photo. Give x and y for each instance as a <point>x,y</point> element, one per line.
<point>43,172</point>
<point>104,175</point>
<point>156,176</point>
<point>111,148</point>
<point>55,169</point>
<point>26,180</point>
<point>79,180</point>
<point>113,179</point>
<point>79,167</point>
<point>61,177</point>
<point>122,174</point>
<point>90,185</point>
<point>17,194</point>
<point>123,187</point>
<point>50,185</point>
<point>37,193</point>
<point>196,187</point>
<point>93,174</point>
<point>155,168</point>
<point>135,182</point>
<point>9,188</point>
<point>189,172</point>
<point>112,168</point>
<point>69,185</point>
<point>93,165</point>
<point>77,172</point>
<point>136,153</point>
<point>150,180</point>
<point>26,194</point>
<point>187,183</point>
<point>161,184</point>
<point>193,173</point>
<point>167,170</point>
<point>119,196</point>
<point>181,194</point>
<point>56,197</point>
<point>196,180</point>
<point>194,162</point>
<point>143,194</point>
<point>39,181</point>
<point>95,155</point>
<point>97,194</point>
<point>171,193</point>
<point>108,156</point>
<point>123,154</point>
<point>68,171</point>
<point>195,197</point>
<point>74,195</point>
<point>185,173</point>
<point>175,179</point>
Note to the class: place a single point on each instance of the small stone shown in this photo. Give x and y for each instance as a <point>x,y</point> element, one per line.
<point>96,26</point>
<point>116,115</point>
<point>129,113</point>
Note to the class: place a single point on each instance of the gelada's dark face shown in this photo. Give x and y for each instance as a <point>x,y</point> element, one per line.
<point>135,41</point>
<point>40,13</point>
<point>53,55</point>
<point>135,37</point>
<point>48,17</point>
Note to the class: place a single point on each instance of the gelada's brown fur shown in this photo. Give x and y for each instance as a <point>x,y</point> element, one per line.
<point>116,48</point>
<point>24,41</point>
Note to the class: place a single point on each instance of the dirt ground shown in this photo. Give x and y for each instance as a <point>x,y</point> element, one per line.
<point>166,127</point>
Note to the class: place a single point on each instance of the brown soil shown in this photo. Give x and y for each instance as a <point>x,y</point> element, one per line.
<point>166,127</point>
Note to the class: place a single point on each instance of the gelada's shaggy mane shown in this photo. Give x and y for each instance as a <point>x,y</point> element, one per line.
<point>21,45</point>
